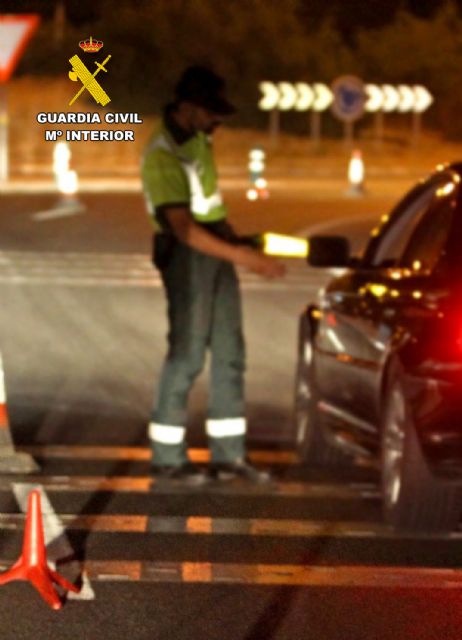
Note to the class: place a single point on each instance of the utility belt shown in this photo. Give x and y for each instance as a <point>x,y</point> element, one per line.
<point>164,242</point>
<point>163,245</point>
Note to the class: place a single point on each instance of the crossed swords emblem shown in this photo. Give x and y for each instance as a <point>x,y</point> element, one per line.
<point>88,80</point>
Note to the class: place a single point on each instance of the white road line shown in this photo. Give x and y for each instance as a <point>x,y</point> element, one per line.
<point>137,284</point>
<point>97,452</point>
<point>209,526</point>
<point>55,538</point>
<point>146,484</point>
<point>128,270</point>
<point>60,211</point>
<point>349,576</point>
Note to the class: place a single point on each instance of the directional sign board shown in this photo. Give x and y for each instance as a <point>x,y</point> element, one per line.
<point>323,97</point>
<point>349,98</point>
<point>15,31</point>
<point>300,96</point>
<point>287,96</point>
<point>423,99</point>
<point>270,98</point>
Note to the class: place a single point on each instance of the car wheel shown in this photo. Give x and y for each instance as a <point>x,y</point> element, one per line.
<point>311,443</point>
<point>413,499</point>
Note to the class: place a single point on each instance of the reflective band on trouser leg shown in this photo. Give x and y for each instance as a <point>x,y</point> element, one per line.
<point>166,434</point>
<point>226,427</point>
<point>227,439</point>
<point>167,442</point>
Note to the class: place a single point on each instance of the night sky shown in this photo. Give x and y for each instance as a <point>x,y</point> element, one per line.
<point>348,14</point>
<point>351,14</point>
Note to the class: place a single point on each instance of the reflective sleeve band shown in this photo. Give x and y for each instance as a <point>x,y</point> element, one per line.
<point>166,434</point>
<point>226,428</point>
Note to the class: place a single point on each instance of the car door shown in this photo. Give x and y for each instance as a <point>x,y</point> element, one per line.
<point>359,309</point>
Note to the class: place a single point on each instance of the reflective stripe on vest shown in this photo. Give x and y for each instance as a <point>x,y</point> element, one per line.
<point>201,204</point>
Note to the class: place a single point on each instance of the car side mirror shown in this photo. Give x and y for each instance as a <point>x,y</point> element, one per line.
<point>328,251</point>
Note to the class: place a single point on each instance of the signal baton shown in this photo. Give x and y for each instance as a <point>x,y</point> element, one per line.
<point>275,244</point>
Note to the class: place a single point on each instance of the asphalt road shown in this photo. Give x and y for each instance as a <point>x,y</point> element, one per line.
<point>82,333</point>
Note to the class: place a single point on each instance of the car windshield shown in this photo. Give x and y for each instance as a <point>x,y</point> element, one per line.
<point>395,240</point>
<point>426,245</point>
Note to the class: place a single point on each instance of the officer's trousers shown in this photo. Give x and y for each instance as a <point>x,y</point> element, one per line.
<point>204,312</point>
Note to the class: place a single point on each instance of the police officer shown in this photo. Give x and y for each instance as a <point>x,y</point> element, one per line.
<point>195,250</point>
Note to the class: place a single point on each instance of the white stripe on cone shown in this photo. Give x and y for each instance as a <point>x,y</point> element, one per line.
<point>2,383</point>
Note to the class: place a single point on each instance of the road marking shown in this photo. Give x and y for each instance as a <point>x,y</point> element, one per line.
<point>349,576</point>
<point>75,269</point>
<point>86,452</point>
<point>146,484</point>
<point>203,525</point>
<point>63,210</point>
<point>57,543</point>
<point>114,523</point>
<point>144,284</point>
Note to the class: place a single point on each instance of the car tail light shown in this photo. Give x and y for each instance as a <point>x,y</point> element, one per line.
<point>450,333</point>
<point>441,338</point>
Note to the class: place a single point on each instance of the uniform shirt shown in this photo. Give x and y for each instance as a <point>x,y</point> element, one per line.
<point>179,170</point>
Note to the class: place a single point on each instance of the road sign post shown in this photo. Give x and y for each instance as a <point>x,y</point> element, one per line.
<point>274,126</point>
<point>416,128</point>
<point>322,100</point>
<point>378,119</point>
<point>374,104</point>
<point>348,134</point>
<point>269,102</point>
<point>315,127</point>
<point>422,100</point>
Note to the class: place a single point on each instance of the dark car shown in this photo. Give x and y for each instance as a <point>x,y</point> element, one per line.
<point>380,356</point>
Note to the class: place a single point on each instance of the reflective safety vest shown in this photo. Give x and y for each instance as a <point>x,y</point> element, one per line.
<point>181,174</point>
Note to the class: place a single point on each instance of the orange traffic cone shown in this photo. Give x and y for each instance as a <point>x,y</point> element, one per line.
<point>356,174</point>
<point>32,565</point>
<point>10,460</point>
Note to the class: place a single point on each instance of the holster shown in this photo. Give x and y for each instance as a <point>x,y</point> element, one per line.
<point>162,249</point>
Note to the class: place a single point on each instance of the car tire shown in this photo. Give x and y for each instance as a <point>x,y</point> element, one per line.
<point>413,498</point>
<point>311,443</point>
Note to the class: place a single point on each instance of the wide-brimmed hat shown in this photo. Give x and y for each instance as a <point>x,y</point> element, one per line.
<point>203,87</point>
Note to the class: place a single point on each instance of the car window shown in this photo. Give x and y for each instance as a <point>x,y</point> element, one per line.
<point>395,239</point>
<point>430,236</point>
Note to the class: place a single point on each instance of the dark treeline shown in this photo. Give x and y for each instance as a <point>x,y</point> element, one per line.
<point>151,41</point>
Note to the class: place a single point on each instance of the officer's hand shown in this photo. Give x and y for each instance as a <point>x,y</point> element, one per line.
<point>265,266</point>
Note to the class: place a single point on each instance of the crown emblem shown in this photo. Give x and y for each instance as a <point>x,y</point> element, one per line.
<point>91,46</point>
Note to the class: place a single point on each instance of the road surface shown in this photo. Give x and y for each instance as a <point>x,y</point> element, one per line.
<point>82,334</point>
